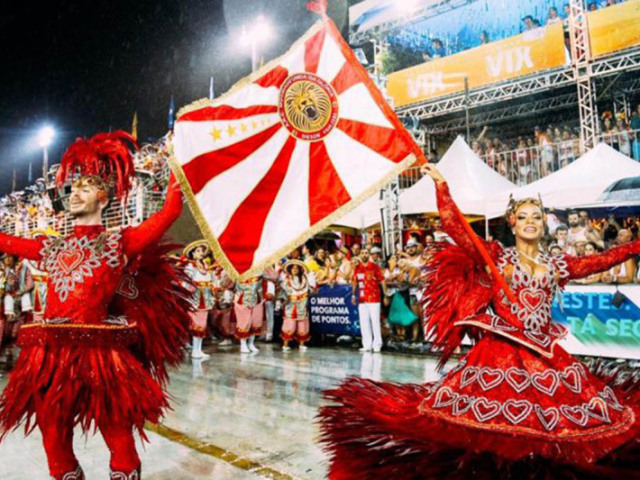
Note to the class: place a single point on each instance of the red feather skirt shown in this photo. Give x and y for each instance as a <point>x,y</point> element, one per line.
<point>93,385</point>
<point>503,412</point>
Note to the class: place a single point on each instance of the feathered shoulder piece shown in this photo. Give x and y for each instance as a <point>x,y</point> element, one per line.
<point>456,286</point>
<point>105,158</point>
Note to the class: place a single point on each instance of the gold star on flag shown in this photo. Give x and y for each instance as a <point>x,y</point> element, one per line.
<point>216,134</point>
<point>254,125</point>
<point>231,130</point>
<point>243,127</point>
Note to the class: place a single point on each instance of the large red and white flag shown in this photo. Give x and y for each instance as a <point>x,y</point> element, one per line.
<point>287,151</point>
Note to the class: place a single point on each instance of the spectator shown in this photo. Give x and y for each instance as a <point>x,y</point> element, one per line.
<point>626,271</point>
<point>635,127</point>
<point>592,7</point>
<point>400,315</point>
<point>553,16</point>
<point>355,253</point>
<point>562,233</point>
<point>524,163</point>
<point>546,151</point>
<point>536,23</point>
<point>624,140</point>
<point>554,249</point>
<point>566,8</point>
<point>376,256</point>
<point>528,23</point>
<point>437,48</point>
<point>577,232</point>
<point>308,258</point>
<point>323,273</point>
<point>610,130</point>
<point>593,235</point>
<point>589,249</point>
<point>344,267</point>
<point>579,248</point>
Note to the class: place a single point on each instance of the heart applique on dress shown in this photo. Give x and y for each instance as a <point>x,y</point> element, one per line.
<point>532,299</point>
<point>69,260</point>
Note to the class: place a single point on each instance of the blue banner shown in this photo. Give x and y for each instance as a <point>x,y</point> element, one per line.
<point>331,311</point>
<point>597,326</point>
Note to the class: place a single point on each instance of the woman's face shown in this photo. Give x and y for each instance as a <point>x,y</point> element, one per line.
<point>589,249</point>
<point>529,222</point>
<point>199,253</point>
<point>295,270</point>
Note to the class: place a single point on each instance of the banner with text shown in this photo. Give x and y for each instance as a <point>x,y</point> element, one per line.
<point>599,328</point>
<point>614,28</point>
<point>331,311</point>
<point>530,52</point>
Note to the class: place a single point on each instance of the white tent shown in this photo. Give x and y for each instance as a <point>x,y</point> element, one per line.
<point>470,181</point>
<point>364,215</point>
<point>579,183</point>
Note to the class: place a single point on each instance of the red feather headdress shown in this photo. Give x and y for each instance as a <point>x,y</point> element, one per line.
<point>106,157</point>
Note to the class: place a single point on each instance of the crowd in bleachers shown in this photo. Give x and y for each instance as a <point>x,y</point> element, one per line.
<point>526,158</point>
<point>483,22</point>
<point>25,211</point>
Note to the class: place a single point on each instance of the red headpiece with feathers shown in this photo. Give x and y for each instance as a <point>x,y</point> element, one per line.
<point>105,157</point>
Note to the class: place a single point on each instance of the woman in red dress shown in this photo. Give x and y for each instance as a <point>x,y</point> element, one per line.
<point>517,405</point>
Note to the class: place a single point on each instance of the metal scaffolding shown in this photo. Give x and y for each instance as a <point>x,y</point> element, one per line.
<point>581,59</point>
<point>491,94</point>
<point>583,72</point>
<point>479,119</point>
<point>391,217</point>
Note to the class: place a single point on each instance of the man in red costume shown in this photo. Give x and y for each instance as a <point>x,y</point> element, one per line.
<point>98,358</point>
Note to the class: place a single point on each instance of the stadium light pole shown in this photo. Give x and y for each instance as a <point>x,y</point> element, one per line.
<point>253,35</point>
<point>45,137</point>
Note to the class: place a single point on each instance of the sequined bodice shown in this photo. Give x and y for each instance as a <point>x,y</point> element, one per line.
<point>531,314</point>
<point>84,271</point>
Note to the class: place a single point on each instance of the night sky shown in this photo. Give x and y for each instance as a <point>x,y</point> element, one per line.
<point>85,67</point>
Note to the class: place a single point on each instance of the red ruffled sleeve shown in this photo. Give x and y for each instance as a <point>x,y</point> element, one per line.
<point>136,239</point>
<point>20,247</point>
<point>580,267</point>
<point>450,216</point>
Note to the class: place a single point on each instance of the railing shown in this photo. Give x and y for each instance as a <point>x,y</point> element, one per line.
<point>528,164</point>
<point>146,198</point>
<point>626,142</point>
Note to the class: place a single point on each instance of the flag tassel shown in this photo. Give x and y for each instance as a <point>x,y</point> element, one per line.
<point>319,7</point>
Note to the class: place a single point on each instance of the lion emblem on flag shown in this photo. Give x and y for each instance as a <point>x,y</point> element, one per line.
<point>307,106</point>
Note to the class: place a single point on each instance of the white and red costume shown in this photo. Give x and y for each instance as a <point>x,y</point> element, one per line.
<point>249,307</point>
<point>202,298</point>
<point>116,317</point>
<point>516,406</point>
<point>295,291</point>
<point>223,291</point>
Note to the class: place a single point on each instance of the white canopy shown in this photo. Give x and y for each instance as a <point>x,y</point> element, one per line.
<point>579,183</point>
<point>364,215</point>
<point>470,181</point>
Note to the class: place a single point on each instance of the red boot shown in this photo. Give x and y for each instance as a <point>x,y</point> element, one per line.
<point>134,475</point>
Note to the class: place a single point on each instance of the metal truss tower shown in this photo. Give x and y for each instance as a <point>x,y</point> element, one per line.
<point>581,64</point>
<point>391,217</point>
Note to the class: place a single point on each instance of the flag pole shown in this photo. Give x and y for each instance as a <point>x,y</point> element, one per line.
<point>480,246</point>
